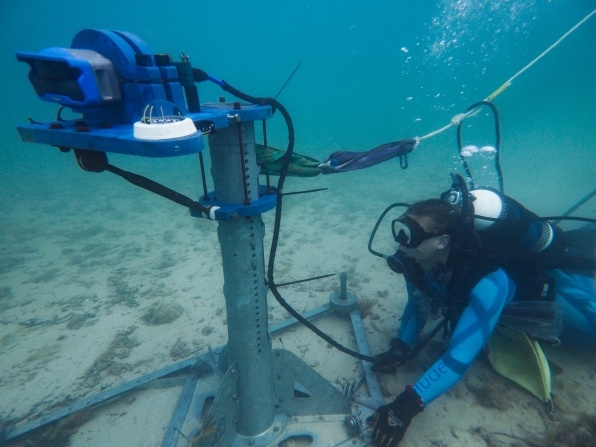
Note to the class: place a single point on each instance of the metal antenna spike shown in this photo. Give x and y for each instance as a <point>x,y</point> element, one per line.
<point>290,77</point>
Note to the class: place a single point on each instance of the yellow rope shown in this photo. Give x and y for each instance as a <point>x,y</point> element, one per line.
<point>458,118</point>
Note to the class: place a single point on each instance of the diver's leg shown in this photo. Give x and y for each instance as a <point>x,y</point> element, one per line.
<point>577,295</point>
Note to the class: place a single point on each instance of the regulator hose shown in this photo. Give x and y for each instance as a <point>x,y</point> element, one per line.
<point>497,125</point>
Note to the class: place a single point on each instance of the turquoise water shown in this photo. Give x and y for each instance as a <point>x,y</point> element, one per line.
<point>371,72</point>
<point>361,63</point>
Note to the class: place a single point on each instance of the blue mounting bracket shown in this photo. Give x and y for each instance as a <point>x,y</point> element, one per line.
<point>105,137</point>
<point>228,211</point>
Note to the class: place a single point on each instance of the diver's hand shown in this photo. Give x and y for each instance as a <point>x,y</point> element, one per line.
<point>393,419</point>
<point>388,361</point>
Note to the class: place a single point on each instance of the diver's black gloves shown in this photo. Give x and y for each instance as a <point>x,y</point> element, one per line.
<point>393,419</point>
<point>388,361</point>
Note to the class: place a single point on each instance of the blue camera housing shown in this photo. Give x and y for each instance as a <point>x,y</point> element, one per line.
<point>110,78</point>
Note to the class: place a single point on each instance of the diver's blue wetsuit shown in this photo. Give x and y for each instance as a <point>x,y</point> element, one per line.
<point>478,319</point>
<point>576,293</point>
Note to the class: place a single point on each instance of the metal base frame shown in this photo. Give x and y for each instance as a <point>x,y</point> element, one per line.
<point>308,408</point>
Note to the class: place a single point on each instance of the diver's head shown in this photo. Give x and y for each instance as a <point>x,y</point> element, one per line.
<point>425,232</point>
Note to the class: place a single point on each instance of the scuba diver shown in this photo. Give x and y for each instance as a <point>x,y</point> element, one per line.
<point>473,272</point>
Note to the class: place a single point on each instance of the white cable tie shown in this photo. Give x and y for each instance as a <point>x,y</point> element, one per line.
<point>212,211</point>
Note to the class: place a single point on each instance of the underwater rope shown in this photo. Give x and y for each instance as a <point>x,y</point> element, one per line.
<point>540,56</point>
<point>457,119</point>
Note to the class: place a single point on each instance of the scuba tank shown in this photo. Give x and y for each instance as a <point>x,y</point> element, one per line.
<point>516,224</point>
<point>505,227</point>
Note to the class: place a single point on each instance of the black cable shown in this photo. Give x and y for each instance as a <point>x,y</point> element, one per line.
<point>203,180</point>
<point>583,201</point>
<point>534,219</point>
<point>288,80</point>
<point>157,188</point>
<point>298,281</point>
<point>497,124</point>
<point>304,192</point>
<point>275,239</point>
<point>419,347</point>
<point>492,219</point>
<point>379,220</point>
<point>276,105</point>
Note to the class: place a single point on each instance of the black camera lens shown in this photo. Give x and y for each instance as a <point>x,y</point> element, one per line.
<point>396,262</point>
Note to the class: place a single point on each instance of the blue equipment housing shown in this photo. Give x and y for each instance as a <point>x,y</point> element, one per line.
<point>112,78</point>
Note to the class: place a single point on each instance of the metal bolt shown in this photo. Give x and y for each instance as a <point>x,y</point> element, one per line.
<point>342,285</point>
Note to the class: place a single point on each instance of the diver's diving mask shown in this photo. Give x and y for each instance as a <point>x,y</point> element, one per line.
<point>408,233</point>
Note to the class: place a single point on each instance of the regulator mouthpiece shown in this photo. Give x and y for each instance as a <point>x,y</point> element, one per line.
<point>396,262</point>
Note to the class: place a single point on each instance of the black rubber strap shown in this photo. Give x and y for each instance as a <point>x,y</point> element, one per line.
<point>157,188</point>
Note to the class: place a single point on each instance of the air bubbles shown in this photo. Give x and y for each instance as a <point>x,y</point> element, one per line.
<point>468,151</point>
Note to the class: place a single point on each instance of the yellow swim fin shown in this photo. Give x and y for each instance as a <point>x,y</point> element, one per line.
<point>520,359</point>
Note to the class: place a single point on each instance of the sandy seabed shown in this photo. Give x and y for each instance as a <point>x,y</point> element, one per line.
<point>97,293</point>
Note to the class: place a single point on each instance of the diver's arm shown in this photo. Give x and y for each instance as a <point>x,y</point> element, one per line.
<point>473,329</point>
<point>475,325</point>
<point>411,321</point>
<point>411,324</point>
<point>401,346</point>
